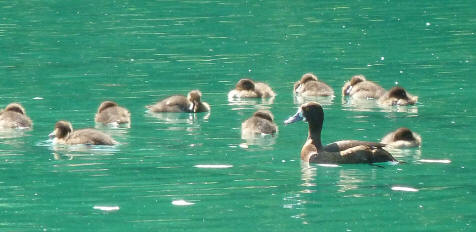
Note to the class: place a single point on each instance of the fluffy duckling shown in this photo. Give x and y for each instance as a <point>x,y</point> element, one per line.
<point>247,88</point>
<point>14,116</point>
<point>178,103</point>
<point>340,152</point>
<point>397,96</point>
<point>64,134</point>
<point>110,112</point>
<point>262,122</point>
<point>309,86</point>
<point>402,138</point>
<point>360,87</point>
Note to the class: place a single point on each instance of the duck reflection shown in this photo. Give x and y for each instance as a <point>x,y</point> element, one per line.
<point>320,182</point>
<point>323,100</point>
<point>119,132</point>
<point>263,142</point>
<point>13,133</point>
<point>359,104</point>
<point>179,118</point>
<point>241,103</point>
<point>88,152</point>
<point>368,105</point>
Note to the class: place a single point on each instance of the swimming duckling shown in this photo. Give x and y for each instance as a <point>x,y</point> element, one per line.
<point>64,134</point>
<point>110,112</point>
<point>262,122</point>
<point>247,88</point>
<point>340,152</point>
<point>178,103</point>
<point>309,85</point>
<point>14,116</point>
<point>397,96</point>
<point>360,87</point>
<point>402,138</point>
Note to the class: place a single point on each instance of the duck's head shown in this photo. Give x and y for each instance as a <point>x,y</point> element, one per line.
<point>353,81</point>
<point>194,97</point>
<point>62,129</point>
<point>264,114</point>
<point>311,112</point>
<point>106,104</point>
<point>245,84</point>
<point>403,133</point>
<point>15,107</point>
<point>304,79</point>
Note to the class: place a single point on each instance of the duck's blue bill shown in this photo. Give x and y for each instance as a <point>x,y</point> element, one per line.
<point>297,117</point>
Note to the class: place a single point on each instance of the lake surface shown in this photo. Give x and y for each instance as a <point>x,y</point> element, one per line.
<point>180,172</point>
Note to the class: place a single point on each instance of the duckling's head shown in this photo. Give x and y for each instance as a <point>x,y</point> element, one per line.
<point>264,114</point>
<point>106,104</point>
<point>194,97</point>
<point>357,79</point>
<point>353,81</point>
<point>299,85</point>
<point>15,107</point>
<point>245,84</point>
<point>403,133</point>
<point>398,92</point>
<point>62,129</point>
<point>308,77</point>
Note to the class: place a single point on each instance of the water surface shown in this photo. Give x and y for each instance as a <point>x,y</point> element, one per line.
<point>171,172</point>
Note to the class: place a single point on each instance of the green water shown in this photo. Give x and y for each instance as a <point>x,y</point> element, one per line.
<point>60,59</point>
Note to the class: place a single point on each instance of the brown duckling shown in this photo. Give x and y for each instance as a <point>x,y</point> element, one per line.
<point>310,86</point>
<point>402,138</point>
<point>178,103</point>
<point>247,88</point>
<point>397,96</point>
<point>14,116</point>
<point>360,87</point>
<point>110,112</point>
<point>64,134</point>
<point>262,122</point>
<point>340,152</point>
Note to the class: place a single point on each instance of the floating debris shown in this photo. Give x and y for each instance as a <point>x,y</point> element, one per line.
<point>213,166</point>
<point>106,208</point>
<point>405,189</point>
<point>435,161</point>
<point>182,203</point>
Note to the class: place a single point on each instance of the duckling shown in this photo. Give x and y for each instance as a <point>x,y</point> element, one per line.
<point>14,116</point>
<point>179,103</point>
<point>110,112</point>
<point>402,138</point>
<point>262,122</point>
<point>247,88</point>
<point>360,87</point>
<point>64,134</point>
<point>397,96</point>
<point>309,85</point>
